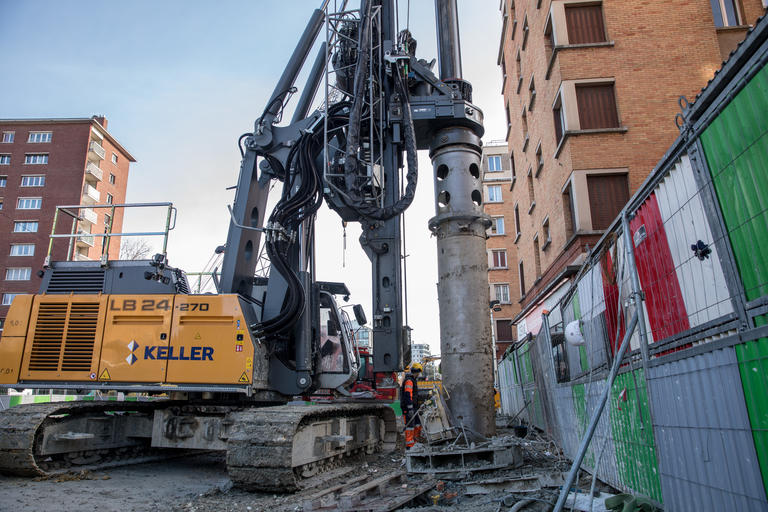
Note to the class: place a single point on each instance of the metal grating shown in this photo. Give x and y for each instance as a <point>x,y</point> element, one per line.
<point>76,281</point>
<point>64,338</point>
<point>81,336</point>
<point>49,337</point>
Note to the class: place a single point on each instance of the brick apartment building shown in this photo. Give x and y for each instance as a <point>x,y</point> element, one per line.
<point>45,163</point>
<point>497,178</point>
<point>591,89</point>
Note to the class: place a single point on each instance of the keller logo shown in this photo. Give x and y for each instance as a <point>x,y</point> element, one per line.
<point>132,346</point>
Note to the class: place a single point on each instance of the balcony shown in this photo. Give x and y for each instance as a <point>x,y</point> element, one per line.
<point>89,215</point>
<point>90,195</point>
<point>78,256</point>
<point>94,170</point>
<point>84,240</point>
<point>95,151</point>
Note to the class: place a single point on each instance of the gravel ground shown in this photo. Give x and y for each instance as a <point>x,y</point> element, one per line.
<point>141,487</point>
<point>200,484</point>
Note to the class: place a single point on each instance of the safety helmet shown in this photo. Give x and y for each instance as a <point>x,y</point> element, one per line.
<point>416,367</point>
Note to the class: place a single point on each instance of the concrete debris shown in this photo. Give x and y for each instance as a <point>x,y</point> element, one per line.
<point>370,482</point>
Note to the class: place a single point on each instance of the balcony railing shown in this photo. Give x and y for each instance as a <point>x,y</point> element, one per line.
<point>85,238</point>
<point>80,257</point>
<point>94,170</point>
<point>95,150</point>
<point>90,215</point>
<point>90,194</point>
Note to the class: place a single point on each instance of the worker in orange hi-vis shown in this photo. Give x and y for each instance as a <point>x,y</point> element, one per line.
<point>409,403</point>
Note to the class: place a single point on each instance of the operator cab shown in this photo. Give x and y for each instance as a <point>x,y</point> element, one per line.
<point>338,364</point>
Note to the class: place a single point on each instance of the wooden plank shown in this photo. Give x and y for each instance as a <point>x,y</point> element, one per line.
<point>353,496</point>
<point>319,499</point>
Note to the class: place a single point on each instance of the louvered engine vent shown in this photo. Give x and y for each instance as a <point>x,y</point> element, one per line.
<point>183,285</point>
<point>76,281</point>
<point>64,336</point>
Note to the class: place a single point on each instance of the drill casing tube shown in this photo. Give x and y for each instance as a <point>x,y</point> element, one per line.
<point>460,227</point>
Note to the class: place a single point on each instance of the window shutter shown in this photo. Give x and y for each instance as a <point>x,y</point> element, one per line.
<point>585,24</point>
<point>597,106</point>
<point>607,196</point>
<point>504,330</point>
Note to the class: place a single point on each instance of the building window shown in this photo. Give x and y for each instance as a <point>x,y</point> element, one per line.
<point>608,193</point>
<point>494,163</point>
<point>5,159</point>
<point>569,213</point>
<point>36,137</point>
<point>109,199</point>
<point>503,73</point>
<point>517,222</point>
<point>549,41</point>
<point>521,275</point>
<point>8,137</point>
<point>539,159</point>
<point>497,225</point>
<point>525,32</point>
<point>1,203</point>
<point>3,181</point>
<point>726,13</point>
<point>8,298</point>
<point>532,91</point>
<point>111,178</point>
<point>25,226</point>
<point>536,256</point>
<point>504,331</point>
<point>512,166</point>
<point>547,236</point>
<point>499,258</point>
<point>107,221</point>
<point>531,193</point>
<point>32,181</point>
<point>502,293</point>
<point>524,118</point>
<point>22,249</point>
<point>597,106</point>
<point>557,114</point>
<point>36,159</point>
<point>29,203</point>
<point>114,158</point>
<point>585,23</point>
<point>494,194</point>
<point>519,69</point>
<point>18,274</point>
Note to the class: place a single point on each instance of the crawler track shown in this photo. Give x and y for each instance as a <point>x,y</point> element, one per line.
<point>22,427</point>
<point>272,449</point>
<point>265,451</point>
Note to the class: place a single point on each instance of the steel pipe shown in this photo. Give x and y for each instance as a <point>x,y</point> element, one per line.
<point>448,42</point>
<point>460,227</point>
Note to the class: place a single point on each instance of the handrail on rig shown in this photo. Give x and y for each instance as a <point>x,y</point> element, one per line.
<point>170,224</point>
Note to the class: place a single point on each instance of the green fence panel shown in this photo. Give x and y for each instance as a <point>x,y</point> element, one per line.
<point>632,431</point>
<point>753,367</point>
<point>736,148</point>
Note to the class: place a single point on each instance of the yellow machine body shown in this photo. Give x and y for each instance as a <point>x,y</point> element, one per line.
<point>128,339</point>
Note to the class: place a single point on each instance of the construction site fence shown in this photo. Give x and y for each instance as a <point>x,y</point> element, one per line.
<point>686,423</point>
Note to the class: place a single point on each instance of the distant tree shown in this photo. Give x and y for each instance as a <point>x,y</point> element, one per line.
<point>135,249</point>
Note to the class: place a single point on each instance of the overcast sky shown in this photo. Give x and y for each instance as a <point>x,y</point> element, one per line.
<point>179,81</point>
